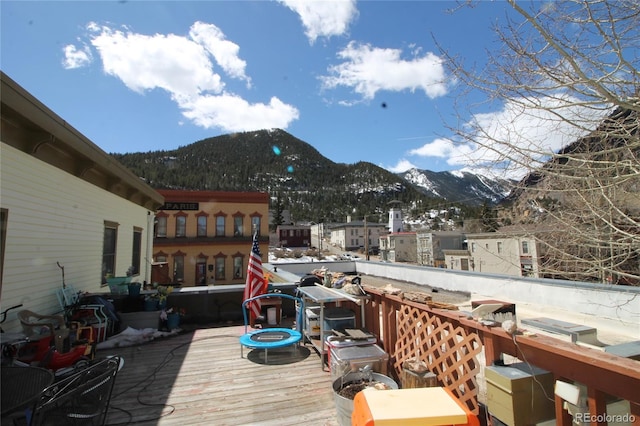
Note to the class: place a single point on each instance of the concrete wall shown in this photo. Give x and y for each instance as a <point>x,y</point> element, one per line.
<point>618,303</point>
<point>611,302</point>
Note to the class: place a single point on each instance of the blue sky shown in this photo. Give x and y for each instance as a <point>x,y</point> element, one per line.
<point>359,81</point>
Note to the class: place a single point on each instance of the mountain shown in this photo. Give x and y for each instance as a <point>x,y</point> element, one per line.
<point>308,184</point>
<point>464,187</point>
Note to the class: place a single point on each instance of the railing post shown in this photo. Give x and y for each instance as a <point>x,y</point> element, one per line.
<point>597,407</point>
<point>635,413</point>
<point>563,418</point>
<point>491,349</point>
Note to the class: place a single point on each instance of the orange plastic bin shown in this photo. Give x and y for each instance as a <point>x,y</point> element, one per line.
<point>406,407</point>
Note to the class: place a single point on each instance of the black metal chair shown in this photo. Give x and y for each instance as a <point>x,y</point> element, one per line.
<point>80,399</point>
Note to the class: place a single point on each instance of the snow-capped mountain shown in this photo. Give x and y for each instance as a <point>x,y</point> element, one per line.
<point>464,186</point>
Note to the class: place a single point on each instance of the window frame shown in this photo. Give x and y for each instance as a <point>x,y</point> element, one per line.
<point>178,267</point>
<point>161,225</point>
<point>220,268</point>
<point>201,228</point>
<point>110,253</point>
<point>220,225</point>
<point>238,226</point>
<point>181,225</point>
<point>238,265</point>
<point>136,251</point>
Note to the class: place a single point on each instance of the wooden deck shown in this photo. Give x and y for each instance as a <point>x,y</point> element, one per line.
<point>199,378</point>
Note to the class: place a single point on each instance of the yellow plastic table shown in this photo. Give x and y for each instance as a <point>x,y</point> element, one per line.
<point>406,407</point>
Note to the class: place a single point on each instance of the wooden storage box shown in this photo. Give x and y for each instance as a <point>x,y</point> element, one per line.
<point>516,398</point>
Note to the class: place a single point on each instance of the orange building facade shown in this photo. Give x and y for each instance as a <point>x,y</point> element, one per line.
<point>205,237</point>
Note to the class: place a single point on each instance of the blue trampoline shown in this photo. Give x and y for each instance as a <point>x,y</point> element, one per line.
<point>271,338</point>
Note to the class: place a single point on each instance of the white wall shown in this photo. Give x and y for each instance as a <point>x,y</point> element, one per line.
<point>56,217</point>
<point>620,304</point>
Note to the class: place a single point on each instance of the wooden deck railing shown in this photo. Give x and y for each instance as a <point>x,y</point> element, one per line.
<point>449,343</point>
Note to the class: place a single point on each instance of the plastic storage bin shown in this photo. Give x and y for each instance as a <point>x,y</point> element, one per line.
<point>312,321</point>
<point>349,359</point>
<point>338,319</point>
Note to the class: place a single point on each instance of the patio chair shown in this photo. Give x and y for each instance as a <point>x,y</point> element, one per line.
<point>271,338</point>
<point>38,327</point>
<point>80,399</point>
<point>87,314</point>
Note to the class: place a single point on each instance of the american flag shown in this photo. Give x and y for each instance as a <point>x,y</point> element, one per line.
<point>255,280</point>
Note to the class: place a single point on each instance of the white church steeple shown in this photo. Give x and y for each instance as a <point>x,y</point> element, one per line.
<point>395,217</point>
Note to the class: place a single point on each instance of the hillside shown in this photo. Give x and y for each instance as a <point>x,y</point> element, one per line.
<point>311,186</point>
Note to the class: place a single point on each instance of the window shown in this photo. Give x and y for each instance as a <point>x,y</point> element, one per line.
<point>178,268</point>
<point>237,226</point>
<point>161,258</point>
<point>525,247</point>
<point>181,226</point>
<point>255,224</point>
<point>220,268</point>
<point>202,226</point>
<point>136,251</point>
<point>499,247</point>
<point>4,215</point>
<point>473,247</point>
<point>161,226</point>
<point>237,267</point>
<point>219,226</point>
<point>109,249</point>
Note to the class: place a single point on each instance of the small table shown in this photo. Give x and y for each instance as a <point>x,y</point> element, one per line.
<point>269,301</point>
<point>21,387</point>
<point>416,406</point>
<point>321,295</point>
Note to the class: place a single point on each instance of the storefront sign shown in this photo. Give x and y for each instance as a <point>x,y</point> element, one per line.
<point>180,206</point>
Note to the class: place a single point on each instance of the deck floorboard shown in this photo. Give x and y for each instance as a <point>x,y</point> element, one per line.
<point>198,378</point>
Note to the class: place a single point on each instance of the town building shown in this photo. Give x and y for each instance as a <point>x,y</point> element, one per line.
<point>205,237</point>
<point>357,235</point>
<point>318,233</point>
<point>507,253</point>
<point>399,247</point>
<point>69,213</point>
<point>294,235</point>
<point>431,246</point>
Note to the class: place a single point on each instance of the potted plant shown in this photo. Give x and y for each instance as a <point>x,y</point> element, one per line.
<point>157,300</point>
<point>162,293</point>
<point>171,317</point>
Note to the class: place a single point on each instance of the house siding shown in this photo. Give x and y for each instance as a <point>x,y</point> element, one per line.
<point>56,217</point>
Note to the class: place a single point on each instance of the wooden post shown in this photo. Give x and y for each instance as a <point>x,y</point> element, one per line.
<point>415,374</point>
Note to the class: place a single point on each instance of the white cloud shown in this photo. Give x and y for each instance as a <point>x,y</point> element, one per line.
<point>76,58</point>
<point>170,62</point>
<point>183,67</point>
<point>368,70</point>
<point>323,18</point>
<point>224,51</point>
<point>437,148</point>
<point>234,114</point>
<point>402,166</point>
<point>522,132</point>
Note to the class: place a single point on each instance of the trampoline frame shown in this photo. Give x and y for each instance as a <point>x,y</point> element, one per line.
<point>295,336</point>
